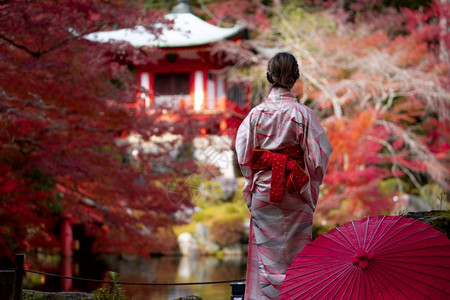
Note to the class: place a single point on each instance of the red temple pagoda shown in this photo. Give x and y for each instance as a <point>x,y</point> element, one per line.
<point>186,70</point>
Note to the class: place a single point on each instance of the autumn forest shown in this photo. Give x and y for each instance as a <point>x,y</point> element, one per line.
<point>375,72</point>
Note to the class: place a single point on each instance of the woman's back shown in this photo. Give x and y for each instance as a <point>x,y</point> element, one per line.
<point>283,153</point>
<point>279,121</point>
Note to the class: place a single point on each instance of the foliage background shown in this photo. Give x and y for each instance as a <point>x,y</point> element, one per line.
<point>379,84</point>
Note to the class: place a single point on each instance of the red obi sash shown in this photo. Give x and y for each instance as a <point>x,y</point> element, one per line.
<point>287,167</point>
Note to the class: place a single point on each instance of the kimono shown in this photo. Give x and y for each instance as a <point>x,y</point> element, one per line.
<point>281,222</point>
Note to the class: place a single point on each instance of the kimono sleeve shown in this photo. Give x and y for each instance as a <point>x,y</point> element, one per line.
<point>319,149</point>
<point>244,147</point>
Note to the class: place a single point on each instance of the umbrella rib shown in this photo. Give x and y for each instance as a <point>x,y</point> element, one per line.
<point>329,237</point>
<point>328,248</point>
<point>352,280</point>
<point>327,277</point>
<point>397,243</point>
<point>325,255</point>
<point>394,258</point>
<point>383,245</point>
<point>393,278</point>
<point>377,243</point>
<point>361,273</point>
<point>358,276</point>
<point>368,291</point>
<point>375,281</point>
<point>339,284</point>
<point>411,253</point>
<point>413,279</point>
<point>326,273</point>
<point>314,271</point>
<point>371,279</point>
<point>382,275</point>
<point>351,244</point>
<point>356,234</point>
<point>344,268</point>
<point>387,260</point>
<point>407,236</point>
<point>365,233</point>
<point>381,242</point>
<point>301,275</point>
<point>316,264</point>
<point>394,267</point>
<point>376,230</point>
<point>404,253</point>
<point>329,284</point>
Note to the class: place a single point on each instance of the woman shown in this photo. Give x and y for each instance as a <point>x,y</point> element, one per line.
<point>283,153</point>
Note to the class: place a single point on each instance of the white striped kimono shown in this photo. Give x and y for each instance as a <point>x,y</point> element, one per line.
<point>279,231</point>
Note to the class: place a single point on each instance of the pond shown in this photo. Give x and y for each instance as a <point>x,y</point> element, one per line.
<point>165,269</point>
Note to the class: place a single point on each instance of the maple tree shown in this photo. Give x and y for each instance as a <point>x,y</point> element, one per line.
<point>229,12</point>
<point>382,97</point>
<point>225,13</point>
<point>65,122</point>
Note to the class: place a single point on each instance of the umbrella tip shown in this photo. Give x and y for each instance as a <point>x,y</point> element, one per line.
<point>361,258</point>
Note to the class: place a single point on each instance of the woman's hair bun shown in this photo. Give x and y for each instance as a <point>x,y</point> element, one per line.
<point>282,70</point>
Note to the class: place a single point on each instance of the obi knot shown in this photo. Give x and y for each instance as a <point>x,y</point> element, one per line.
<point>287,169</point>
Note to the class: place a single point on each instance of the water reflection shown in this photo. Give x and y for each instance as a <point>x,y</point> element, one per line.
<point>164,269</point>
<point>180,269</point>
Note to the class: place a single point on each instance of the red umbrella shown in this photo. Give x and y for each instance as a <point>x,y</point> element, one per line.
<point>382,257</point>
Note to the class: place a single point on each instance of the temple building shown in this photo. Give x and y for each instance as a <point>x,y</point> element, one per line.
<point>188,69</point>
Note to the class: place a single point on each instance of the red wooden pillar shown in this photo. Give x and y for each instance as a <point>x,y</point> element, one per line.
<point>151,89</point>
<point>216,94</point>
<point>66,253</point>
<point>146,79</point>
<point>205,97</point>
<point>205,89</point>
<point>66,238</point>
<point>191,90</point>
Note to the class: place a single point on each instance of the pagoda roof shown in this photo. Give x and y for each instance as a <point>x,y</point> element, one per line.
<point>187,30</point>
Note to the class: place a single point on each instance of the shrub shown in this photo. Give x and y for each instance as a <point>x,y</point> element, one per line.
<point>226,232</point>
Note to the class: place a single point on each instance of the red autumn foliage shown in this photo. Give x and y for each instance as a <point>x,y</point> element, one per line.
<point>354,173</point>
<point>229,12</point>
<point>382,94</point>
<point>64,123</point>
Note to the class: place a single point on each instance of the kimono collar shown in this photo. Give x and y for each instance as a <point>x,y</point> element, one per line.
<point>278,94</point>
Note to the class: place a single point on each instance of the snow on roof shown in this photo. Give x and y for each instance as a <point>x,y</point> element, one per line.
<point>187,30</point>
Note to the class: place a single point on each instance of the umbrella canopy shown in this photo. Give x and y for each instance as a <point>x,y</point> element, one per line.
<point>382,257</point>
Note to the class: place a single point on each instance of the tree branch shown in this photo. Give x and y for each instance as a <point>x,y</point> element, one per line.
<point>86,199</point>
<point>39,53</point>
<point>32,53</point>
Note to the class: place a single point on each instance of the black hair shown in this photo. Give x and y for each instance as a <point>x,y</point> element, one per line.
<point>282,70</point>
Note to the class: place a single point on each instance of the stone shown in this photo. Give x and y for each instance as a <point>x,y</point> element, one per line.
<point>29,294</point>
<point>228,185</point>
<point>233,250</point>
<point>439,219</point>
<point>190,297</point>
<point>201,233</point>
<point>188,245</point>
